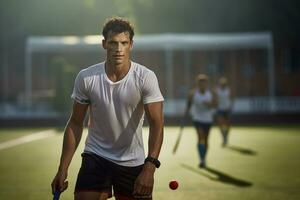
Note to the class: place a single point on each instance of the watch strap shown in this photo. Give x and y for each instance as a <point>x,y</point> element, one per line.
<point>155,161</point>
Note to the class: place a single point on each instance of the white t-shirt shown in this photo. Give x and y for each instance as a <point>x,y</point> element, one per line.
<point>224,101</point>
<point>199,111</point>
<point>116,111</point>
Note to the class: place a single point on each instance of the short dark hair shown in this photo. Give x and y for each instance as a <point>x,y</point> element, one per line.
<point>117,25</point>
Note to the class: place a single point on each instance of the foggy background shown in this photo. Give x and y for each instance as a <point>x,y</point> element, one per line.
<point>52,72</point>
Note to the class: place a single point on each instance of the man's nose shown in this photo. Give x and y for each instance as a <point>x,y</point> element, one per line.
<point>119,47</point>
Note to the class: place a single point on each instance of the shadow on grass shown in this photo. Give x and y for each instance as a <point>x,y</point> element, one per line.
<point>241,150</point>
<point>221,176</point>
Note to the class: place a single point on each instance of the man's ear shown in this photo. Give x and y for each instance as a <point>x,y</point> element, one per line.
<point>131,44</point>
<point>104,44</point>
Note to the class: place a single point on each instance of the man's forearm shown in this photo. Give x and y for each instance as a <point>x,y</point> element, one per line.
<point>156,120</point>
<point>155,139</point>
<point>72,136</point>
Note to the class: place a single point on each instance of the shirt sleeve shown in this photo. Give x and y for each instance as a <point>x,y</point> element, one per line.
<point>80,92</point>
<point>151,92</point>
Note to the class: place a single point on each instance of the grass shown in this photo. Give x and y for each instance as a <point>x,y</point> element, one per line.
<point>259,163</point>
<point>12,133</point>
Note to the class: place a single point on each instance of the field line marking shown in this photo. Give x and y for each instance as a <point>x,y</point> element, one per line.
<point>27,138</point>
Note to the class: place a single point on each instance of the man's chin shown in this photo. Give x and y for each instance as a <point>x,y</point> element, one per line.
<point>118,62</point>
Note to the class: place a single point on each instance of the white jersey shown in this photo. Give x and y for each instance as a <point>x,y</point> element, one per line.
<point>116,111</point>
<point>224,101</point>
<point>199,111</point>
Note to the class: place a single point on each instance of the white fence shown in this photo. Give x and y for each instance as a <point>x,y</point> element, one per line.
<point>176,107</point>
<point>244,105</point>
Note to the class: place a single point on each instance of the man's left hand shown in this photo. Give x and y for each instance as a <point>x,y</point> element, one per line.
<point>143,186</point>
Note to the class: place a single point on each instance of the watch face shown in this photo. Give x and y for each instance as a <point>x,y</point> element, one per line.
<point>158,165</point>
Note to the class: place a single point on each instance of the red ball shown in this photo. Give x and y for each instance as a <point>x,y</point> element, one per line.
<point>173,185</point>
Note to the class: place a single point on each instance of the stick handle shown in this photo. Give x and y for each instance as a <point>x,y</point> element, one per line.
<point>178,139</point>
<point>56,195</point>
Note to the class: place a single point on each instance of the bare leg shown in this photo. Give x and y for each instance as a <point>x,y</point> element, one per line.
<point>128,198</point>
<point>223,128</point>
<point>202,146</point>
<point>227,124</point>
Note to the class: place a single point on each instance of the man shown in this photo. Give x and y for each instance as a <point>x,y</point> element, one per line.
<point>225,102</point>
<point>117,92</point>
<point>201,102</point>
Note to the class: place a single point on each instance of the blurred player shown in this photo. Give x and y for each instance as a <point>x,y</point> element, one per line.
<point>225,102</point>
<point>202,103</point>
<point>118,92</point>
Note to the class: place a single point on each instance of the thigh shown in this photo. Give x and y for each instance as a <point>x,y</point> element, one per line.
<point>206,128</point>
<point>220,117</point>
<point>227,117</point>
<point>224,115</point>
<point>202,128</point>
<point>94,177</point>
<point>89,195</point>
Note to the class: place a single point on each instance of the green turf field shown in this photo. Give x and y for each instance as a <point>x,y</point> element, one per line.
<point>259,163</point>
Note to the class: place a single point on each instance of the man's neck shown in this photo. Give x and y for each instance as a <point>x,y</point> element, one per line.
<point>117,72</point>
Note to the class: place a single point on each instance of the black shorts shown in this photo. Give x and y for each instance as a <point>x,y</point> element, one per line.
<point>223,113</point>
<point>101,175</point>
<point>204,126</point>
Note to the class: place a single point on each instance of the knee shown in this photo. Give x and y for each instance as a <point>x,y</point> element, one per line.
<point>203,140</point>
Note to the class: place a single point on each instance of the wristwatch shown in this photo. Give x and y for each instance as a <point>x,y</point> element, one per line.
<point>154,161</point>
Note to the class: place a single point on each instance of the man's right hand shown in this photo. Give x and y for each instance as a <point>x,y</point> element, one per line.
<point>59,182</point>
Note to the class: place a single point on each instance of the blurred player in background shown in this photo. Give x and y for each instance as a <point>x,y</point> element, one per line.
<point>225,102</point>
<point>118,92</point>
<point>201,104</point>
